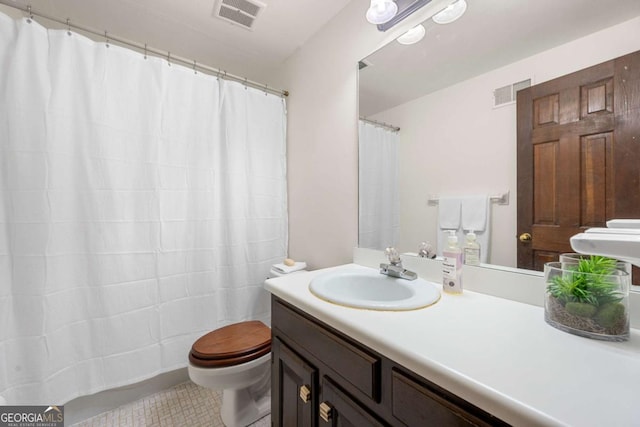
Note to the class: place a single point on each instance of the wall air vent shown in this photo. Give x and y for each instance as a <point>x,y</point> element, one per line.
<point>506,95</point>
<point>239,12</point>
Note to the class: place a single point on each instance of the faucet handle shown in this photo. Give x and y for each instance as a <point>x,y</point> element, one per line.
<point>393,255</point>
<point>425,250</point>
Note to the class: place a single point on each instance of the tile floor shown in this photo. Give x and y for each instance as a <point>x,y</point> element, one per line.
<point>186,404</point>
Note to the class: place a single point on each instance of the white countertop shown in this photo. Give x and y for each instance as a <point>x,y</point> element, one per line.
<point>498,354</point>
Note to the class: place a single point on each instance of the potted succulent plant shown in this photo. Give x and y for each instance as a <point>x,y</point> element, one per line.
<point>588,298</point>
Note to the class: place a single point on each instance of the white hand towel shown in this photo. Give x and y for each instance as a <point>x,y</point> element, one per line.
<point>285,269</point>
<point>475,213</point>
<point>449,213</point>
<point>476,216</point>
<point>448,219</point>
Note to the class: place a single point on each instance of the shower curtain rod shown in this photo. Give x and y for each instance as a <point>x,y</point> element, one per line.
<point>381,124</point>
<point>149,50</point>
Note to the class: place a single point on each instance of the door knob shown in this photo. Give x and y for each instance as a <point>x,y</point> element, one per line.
<point>305,393</point>
<point>325,412</point>
<point>525,237</point>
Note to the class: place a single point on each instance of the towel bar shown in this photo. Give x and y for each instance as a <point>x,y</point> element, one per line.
<point>501,199</point>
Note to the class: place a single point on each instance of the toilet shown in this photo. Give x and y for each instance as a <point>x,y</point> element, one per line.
<point>237,360</point>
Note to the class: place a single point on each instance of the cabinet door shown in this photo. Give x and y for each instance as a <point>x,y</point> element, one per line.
<point>415,404</point>
<point>294,392</point>
<point>337,409</point>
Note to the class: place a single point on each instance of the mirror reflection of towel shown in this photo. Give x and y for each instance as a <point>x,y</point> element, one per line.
<point>464,214</point>
<point>448,219</point>
<point>474,213</point>
<point>449,213</point>
<point>475,217</point>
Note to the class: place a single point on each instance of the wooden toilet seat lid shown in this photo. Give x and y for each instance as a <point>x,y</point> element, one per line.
<point>232,344</point>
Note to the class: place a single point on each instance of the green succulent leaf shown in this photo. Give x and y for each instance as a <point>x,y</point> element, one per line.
<point>589,282</point>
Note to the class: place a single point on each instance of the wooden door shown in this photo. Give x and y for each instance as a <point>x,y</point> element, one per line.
<point>578,156</point>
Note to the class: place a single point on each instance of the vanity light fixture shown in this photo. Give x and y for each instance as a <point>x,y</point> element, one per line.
<point>450,13</point>
<point>402,9</point>
<point>381,11</point>
<point>412,36</point>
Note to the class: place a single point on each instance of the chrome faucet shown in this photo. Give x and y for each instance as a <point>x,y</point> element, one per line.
<point>394,268</point>
<point>425,250</point>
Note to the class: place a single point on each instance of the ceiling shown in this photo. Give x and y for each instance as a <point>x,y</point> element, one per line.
<point>187,28</point>
<point>491,34</point>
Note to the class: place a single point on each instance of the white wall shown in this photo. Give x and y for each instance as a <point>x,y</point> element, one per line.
<point>322,136</point>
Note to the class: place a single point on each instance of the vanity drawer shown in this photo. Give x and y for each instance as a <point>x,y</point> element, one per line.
<point>417,403</point>
<point>359,367</point>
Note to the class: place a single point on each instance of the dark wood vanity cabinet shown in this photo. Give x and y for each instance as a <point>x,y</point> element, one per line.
<point>296,381</point>
<point>320,377</point>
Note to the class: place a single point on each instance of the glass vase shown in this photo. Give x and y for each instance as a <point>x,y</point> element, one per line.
<point>592,304</point>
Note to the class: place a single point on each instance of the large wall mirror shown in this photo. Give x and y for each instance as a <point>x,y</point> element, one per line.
<point>452,96</point>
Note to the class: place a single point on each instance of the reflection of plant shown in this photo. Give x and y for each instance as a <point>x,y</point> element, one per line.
<point>587,283</point>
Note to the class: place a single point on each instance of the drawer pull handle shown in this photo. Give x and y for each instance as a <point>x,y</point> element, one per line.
<point>325,411</point>
<point>305,393</point>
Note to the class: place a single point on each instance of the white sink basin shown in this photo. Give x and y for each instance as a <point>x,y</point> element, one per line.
<point>367,288</point>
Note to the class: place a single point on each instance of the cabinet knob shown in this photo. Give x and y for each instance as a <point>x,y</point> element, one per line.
<point>325,411</point>
<point>305,393</point>
<point>525,237</point>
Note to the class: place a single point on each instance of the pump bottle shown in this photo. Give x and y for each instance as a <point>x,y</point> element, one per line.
<point>452,265</point>
<point>471,249</point>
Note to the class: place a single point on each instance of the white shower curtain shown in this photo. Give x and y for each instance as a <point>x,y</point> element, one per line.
<point>379,210</point>
<point>141,205</point>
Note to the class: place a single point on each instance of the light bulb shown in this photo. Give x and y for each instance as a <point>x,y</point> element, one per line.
<point>412,36</point>
<point>381,11</point>
<point>450,13</point>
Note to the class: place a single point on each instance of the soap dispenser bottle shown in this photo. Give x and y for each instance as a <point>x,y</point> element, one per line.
<point>471,249</point>
<point>452,265</point>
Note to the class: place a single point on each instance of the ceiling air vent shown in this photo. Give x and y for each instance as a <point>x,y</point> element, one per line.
<point>507,94</point>
<point>239,12</point>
